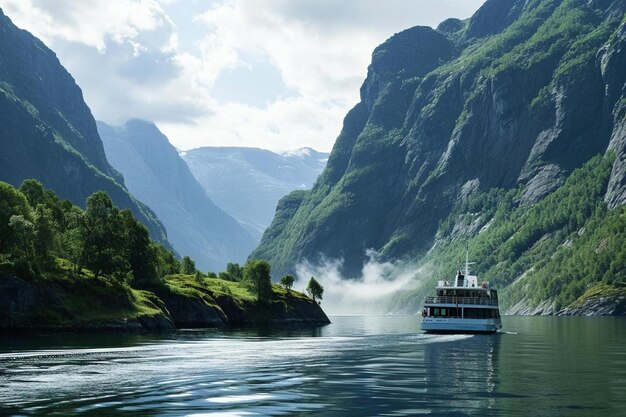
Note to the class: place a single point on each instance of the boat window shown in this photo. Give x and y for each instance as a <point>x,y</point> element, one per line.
<point>443,312</point>
<point>436,313</point>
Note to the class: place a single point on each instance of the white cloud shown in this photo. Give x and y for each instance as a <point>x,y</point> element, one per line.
<point>89,22</point>
<point>148,59</point>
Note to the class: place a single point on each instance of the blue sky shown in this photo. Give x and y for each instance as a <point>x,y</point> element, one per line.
<point>275,74</point>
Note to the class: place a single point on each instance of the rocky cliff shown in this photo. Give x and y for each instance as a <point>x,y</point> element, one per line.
<point>47,131</point>
<point>514,98</point>
<point>155,173</point>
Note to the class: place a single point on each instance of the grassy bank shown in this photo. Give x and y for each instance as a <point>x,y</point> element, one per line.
<point>60,298</point>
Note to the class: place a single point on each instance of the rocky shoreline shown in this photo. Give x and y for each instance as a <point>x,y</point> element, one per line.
<point>27,306</point>
<point>587,305</point>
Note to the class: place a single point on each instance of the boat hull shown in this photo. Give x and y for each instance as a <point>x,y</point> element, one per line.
<point>459,325</point>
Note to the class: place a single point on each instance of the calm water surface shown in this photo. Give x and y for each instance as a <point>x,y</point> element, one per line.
<point>357,366</point>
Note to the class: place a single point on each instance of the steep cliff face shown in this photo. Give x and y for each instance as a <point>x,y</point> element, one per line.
<point>47,131</point>
<point>156,174</point>
<point>521,94</point>
<point>248,182</point>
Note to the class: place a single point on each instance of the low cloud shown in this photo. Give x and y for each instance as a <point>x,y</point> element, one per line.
<point>371,293</point>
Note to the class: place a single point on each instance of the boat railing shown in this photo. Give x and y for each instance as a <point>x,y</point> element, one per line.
<point>462,300</point>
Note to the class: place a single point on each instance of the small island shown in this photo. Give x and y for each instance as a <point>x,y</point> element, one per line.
<point>64,268</point>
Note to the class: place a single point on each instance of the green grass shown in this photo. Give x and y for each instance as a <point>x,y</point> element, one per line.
<point>600,290</point>
<point>81,298</point>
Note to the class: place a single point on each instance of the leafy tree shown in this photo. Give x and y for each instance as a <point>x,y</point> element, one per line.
<point>287,282</point>
<point>234,271</point>
<point>167,263</point>
<point>71,238</point>
<point>102,236</point>
<point>140,253</point>
<point>315,289</point>
<point>23,233</point>
<point>256,275</point>
<point>188,266</point>
<point>44,231</point>
<point>12,202</point>
<point>33,191</point>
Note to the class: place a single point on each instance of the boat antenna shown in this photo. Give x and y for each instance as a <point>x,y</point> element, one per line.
<point>467,262</point>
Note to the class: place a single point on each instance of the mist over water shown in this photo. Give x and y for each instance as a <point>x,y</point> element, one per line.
<point>370,293</point>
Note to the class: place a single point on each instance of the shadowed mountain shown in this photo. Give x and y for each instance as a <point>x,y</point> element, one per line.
<point>47,132</point>
<point>156,174</point>
<point>248,182</point>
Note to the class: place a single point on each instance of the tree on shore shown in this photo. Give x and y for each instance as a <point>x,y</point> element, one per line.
<point>256,276</point>
<point>287,282</point>
<point>234,271</point>
<point>315,290</point>
<point>188,266</point>
<point>102,240</point>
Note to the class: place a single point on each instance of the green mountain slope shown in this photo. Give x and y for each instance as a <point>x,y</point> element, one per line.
<point>512,100</point>
<point>47,131</point>
<point>543,256</point>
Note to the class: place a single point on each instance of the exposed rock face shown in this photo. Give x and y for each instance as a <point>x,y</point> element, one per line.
<point>598,306</point>
<point>298,311</point>
<point>521,94</point>
<point>156,174</point>
<point>193,312</point>
<point>27,306</point>
<point>545,308</point>
<point>248,182</point>
<point>18,298</point>
<point>47,131</point>
<point>613,61</point>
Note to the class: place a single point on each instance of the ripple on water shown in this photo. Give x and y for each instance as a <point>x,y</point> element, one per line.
<point>403,373</point>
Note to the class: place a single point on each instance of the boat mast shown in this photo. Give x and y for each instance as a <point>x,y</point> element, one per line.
<point>467,262</point>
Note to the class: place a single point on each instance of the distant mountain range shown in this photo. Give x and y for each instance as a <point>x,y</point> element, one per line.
<point>156,174</point>
<point>248,182</point>
<point>47,132</point>
<point>486,132</point>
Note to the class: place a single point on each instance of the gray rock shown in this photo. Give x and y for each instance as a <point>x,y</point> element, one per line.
<point>598,306</point>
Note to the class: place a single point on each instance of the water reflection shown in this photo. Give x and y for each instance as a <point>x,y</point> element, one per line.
<point>357,366</point>
<point>462,375</point>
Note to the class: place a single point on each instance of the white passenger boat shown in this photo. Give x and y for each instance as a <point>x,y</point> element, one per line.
<point>462,306</point>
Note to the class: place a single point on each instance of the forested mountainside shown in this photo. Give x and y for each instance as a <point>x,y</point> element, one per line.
<point>248,182</point>
<point>479,125</point>
<point>155,173</point>
<point>47,131</point>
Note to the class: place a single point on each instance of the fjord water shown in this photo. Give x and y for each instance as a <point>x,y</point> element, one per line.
<point>356,366</point>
